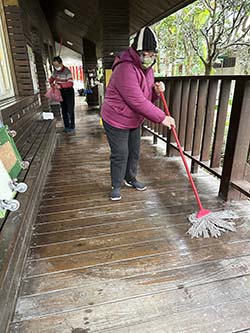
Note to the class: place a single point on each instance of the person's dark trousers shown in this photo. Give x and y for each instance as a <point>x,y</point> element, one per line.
<point>125,151</point>
<point>68,107</point>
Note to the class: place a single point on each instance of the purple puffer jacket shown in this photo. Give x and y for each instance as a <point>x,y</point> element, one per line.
<point>130,94</point>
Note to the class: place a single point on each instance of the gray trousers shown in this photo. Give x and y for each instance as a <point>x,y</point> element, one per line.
<point>125,151</point>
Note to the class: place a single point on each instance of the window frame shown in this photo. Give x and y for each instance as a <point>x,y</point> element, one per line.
<point>7,56</point>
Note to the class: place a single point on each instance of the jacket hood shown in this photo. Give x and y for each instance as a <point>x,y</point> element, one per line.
<point>129,55</point>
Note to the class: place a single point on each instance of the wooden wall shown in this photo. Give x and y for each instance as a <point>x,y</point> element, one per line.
<point>18,47</point>
<point>23,18</point>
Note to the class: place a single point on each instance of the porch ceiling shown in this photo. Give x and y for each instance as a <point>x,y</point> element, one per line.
<point>87,20</point>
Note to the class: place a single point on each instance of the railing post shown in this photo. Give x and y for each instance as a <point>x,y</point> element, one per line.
<point>184,111</point>
<point>191,114</point>
<point>209,120</point>
<point>220,123</point>
<point>199,121</point>
<point>143,131</point>
<point>174,108</point>
<point>154,139</point>
<point>166,131</point>
<point>237,141</point>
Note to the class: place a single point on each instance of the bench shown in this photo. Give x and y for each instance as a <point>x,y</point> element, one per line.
<point>35,141</point>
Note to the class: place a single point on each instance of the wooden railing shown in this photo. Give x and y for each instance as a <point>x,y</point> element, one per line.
<point>212,115</point>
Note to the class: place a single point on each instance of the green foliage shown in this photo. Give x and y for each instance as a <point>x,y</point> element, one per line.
<point>193,38</point>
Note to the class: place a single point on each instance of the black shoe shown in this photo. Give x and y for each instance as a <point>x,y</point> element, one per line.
<point>135,184</point>
<point>115,194</point>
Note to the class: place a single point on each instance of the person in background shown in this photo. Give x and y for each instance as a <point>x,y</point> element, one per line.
<point>62,79</point>
<point>128,100</point>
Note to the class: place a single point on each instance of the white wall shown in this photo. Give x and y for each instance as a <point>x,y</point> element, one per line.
<point>68,56</point>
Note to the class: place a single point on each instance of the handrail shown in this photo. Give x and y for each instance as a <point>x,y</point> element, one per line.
<point>212,121</point>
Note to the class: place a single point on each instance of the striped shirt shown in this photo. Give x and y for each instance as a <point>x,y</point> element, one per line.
<point>62,78</point>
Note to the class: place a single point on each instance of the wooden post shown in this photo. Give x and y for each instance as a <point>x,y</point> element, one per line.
<point>183,113</point>
<point>166,130</point>
<point>209,120</point>
<point>199,121</point>
<point>238,141</point>
<point>174,109</point>
<point>220,123</point>
<point>191,114</point>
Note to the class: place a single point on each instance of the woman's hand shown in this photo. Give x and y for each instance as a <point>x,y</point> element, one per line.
<point>159,87</point>
<point>57,86</point>
<point>168,121</point>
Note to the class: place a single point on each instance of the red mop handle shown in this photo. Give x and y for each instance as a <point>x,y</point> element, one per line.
<point>181,153</point>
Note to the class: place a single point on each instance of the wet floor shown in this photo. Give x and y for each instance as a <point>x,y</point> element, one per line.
<point>128,266</point>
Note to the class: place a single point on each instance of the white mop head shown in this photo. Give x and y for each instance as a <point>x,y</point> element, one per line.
<point>212,224</point>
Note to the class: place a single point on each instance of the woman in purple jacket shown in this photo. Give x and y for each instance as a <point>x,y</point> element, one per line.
<point>128,100</point>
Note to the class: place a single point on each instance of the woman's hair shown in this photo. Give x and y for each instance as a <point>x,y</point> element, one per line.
<point>58,59</point>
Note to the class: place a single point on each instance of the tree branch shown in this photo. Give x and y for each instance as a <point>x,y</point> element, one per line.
<point>197,52</point>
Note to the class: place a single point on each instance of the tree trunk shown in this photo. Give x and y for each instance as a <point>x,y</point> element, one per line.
<point>208,68</point>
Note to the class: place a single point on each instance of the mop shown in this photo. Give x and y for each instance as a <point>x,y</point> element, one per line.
<point>204,223</point>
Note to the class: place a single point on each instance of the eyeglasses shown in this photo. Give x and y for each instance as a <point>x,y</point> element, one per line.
<point>149,54</point>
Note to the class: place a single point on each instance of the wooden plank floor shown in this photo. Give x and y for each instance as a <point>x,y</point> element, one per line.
<point>101,266</point>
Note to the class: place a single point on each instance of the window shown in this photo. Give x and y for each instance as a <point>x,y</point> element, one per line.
<point>6,87</point>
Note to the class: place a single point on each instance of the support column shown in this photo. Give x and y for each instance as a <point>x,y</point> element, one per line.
<point>89,65</point>
<point>115,23</point>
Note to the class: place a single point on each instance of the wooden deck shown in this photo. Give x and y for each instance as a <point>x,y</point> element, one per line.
<point>101,266</point>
